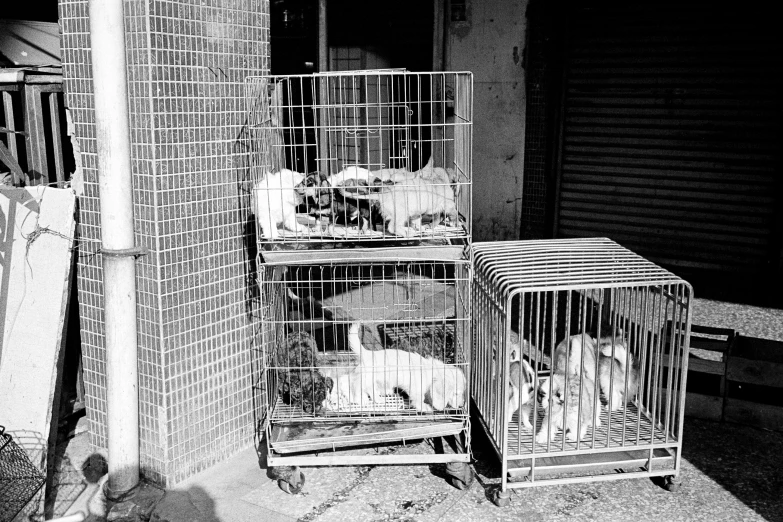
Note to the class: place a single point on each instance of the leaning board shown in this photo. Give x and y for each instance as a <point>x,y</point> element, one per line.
<point>36,239</point>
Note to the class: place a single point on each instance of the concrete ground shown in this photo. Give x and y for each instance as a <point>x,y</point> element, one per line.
<point>729,472</point>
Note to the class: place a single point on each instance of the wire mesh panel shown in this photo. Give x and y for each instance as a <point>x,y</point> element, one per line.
<point>580,360</point>
<point>379,347</point>
<point>379,155</point>
<point>20,480</point>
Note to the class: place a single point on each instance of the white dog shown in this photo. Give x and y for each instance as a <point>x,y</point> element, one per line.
<point>430,384</point>
<point>276,202</point>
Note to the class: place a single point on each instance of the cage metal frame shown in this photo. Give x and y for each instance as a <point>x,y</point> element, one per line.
<point>615,286</point>
<point>278,287</point>
<point>379,127</point>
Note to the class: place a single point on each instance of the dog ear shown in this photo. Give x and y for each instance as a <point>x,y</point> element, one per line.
<point>329,383</point>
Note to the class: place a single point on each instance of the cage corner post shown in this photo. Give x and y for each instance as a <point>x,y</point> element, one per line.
<point>117,242</point>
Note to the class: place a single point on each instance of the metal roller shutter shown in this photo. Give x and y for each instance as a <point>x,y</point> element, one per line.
<point>671,134</point>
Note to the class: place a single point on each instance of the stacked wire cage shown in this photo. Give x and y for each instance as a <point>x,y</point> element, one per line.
<point>362,188</point>
<point>377,158</point>
<point>580,362</point>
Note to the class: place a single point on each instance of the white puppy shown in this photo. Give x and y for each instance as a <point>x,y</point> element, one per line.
<point>430,384</point>
<point>570,352</point>
<point>276,201</point>
<point>522,382</point>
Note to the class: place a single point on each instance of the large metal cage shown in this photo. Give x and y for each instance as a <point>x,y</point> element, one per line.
<point>371,156</point>
<point>605,334</point>
<point>412,317</point>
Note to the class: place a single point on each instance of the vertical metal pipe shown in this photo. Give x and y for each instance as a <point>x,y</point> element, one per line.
<point>324,147</point>
<point>116,202</point>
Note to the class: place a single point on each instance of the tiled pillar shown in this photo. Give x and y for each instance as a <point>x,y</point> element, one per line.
<point>187,61</point>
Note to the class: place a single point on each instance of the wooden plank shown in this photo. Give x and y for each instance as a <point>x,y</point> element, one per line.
<point>54,111</point>
<point>754,414</point>
<point>759,349</point>
<point>712,345</point>
<point>10,123</point>
<point>37,167</point>
<point>7,159</point>
<point>35,278</point>
<point>752,371</point>
<point>52,81</point>
<point>704,366</point>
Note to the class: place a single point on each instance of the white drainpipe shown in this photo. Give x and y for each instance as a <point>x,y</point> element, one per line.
<point>112,123</point>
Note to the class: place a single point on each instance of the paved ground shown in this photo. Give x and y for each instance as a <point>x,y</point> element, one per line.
<point>729,472</point>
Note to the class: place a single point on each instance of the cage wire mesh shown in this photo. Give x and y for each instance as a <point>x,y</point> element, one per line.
<point>381,155</point>
<point>20,480</point>
<point>580,360</point>
<point>380,346</point>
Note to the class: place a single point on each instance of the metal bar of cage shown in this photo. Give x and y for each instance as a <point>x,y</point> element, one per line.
<point>319,287</point>
<point>554,303</point>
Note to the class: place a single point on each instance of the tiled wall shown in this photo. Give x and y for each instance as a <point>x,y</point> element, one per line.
<point>186,66</point>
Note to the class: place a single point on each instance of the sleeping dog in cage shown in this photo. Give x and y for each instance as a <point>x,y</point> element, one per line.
<point>412,370</point>
<point>430,384</point>
<point>357,197</point>
<point>566,396</point>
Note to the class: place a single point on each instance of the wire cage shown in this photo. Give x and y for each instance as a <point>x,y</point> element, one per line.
<point>361,156</point>
<point>590,344</point>
<point>20,480</point>
<point>357,354</point>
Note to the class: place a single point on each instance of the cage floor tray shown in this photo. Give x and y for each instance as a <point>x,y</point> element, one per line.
<point>662,458</point>
<point>320,435</point>
<point>631,428</point>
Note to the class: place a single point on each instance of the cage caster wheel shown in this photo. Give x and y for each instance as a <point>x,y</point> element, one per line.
<point>671,483</point>
<point>501,498</point>
<point>292,488</point>
<point>460,475</point>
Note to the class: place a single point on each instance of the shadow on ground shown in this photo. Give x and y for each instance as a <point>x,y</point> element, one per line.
<point>745,461</point>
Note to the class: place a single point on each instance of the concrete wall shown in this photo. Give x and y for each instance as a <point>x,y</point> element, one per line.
<point>491,44</point>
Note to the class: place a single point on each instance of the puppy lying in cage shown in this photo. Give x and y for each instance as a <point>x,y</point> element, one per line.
<point>429,384</point>
<point>405,204</point>
<point>567,396</point>
<point>522,380</point>
<point>614,363</point>
<point>521,385</point>
<point>358,197</point>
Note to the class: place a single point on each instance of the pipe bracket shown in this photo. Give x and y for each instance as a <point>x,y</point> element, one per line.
<point>136,251</point>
